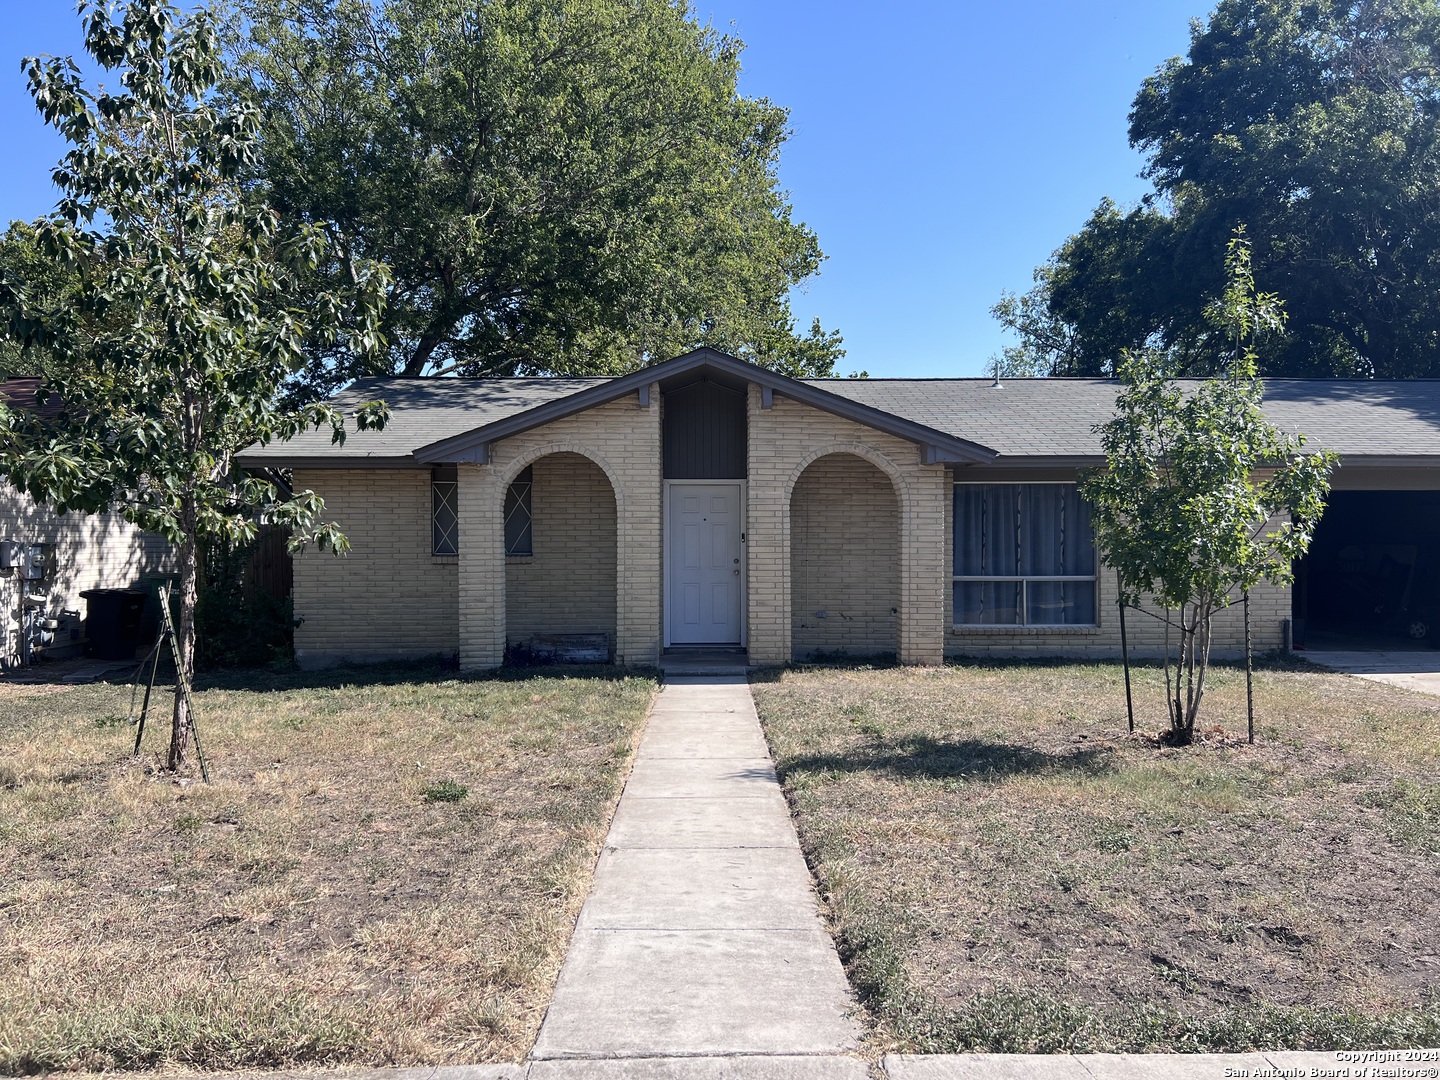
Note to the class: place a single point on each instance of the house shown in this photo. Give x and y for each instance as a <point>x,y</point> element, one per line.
<point>708,503</point>
<point>82,552</point>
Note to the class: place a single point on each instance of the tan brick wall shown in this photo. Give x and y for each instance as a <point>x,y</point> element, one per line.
<point>92,551</point>
<point>568,585</point>
<point>623,439</point>
<point>784,440</point>
<point>388,597</point>
<point>391,597</point>
<point>1269,606</point>
<point>844,559</point>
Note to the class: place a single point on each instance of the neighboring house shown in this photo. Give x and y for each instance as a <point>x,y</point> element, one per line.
<point>705,502</point>
<point>91,551</point>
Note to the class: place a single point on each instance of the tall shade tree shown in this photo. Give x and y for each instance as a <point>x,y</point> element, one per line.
<point>559,186</point>
<point>169,344</point>
<point>1201,498</point>
<point>1317,124</point>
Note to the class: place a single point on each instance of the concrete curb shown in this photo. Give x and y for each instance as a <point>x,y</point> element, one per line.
<point>1340,1064</point>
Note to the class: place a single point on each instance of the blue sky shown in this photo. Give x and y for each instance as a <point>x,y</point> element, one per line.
<point>940,150</point>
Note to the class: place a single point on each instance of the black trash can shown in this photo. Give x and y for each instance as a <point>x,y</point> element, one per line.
<point>112,622</point>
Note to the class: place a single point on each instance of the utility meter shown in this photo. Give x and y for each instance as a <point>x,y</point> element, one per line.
<point>39,562</point>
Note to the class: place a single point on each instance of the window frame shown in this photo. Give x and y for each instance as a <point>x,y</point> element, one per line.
<point>444,492</point>
<point>525,481</point>
<point>1023,579</point>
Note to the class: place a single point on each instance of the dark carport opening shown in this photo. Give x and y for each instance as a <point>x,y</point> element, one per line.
<point>1372,575</point>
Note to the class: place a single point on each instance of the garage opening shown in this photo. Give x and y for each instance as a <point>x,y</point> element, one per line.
<point>1372,576</point>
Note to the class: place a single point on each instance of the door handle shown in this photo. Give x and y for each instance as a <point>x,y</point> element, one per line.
<point>737,573</point>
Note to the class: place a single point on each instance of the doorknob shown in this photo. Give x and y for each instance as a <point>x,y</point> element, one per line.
<point>737,573</point>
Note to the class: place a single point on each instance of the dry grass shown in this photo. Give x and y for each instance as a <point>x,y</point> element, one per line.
<point>1008,870</point>
<point>319,902</point>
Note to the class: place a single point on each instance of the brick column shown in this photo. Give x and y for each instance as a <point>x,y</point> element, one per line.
<point>923,575</point>
<point>482,568</point>
<point>638,537</point>
<point>767,539</point>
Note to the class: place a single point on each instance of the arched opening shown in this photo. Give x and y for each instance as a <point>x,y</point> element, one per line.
<point>560,562</point>
<point>844,560</point>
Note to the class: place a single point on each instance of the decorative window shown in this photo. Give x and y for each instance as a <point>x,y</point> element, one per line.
<point>518,518</point>
<point>1024,556</point>
<point>444,511</point>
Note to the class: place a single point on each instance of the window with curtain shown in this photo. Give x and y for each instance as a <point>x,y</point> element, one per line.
<point>1024,556</point>
<point>518,518</point>
<point>444,515</point>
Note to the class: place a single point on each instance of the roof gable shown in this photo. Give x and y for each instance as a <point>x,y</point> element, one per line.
<point>937,446</point>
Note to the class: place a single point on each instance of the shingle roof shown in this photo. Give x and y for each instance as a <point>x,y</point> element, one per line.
<point>1055,417</point>
<point>1024,418</point>
<point>422,411</point>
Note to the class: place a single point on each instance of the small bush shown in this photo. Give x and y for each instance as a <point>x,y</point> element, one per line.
<point>444,791</point>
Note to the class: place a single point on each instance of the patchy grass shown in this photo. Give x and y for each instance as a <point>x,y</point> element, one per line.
<point>1007,870</point>
<point>386,869</point>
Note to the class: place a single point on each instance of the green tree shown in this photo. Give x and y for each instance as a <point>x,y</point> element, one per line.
<point>176,331</point>
<point>1317,124</point>
<point>559,186</point>
<point>1201,498</point>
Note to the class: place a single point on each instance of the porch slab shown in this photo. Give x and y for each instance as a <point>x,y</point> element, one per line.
<point>706,664</point>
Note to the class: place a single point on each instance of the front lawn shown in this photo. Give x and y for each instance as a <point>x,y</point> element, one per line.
<point>1007,870</point>
<point>386,869</point>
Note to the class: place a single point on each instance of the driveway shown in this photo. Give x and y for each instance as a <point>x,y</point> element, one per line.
<point>1418,670</point>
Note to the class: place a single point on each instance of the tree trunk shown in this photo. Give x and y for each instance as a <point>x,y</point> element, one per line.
<point>1202,663</point>
<point>1182,729</point>
<point>185,638</point>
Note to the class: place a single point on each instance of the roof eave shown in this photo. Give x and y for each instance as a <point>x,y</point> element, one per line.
<point>1391,461</point>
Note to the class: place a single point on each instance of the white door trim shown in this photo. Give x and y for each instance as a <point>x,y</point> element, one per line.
<point>744,513</point>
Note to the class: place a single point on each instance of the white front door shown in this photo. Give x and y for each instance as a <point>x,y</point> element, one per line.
<point>705,580</point>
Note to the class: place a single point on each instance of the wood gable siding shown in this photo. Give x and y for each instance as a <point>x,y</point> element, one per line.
<point>704,433</point>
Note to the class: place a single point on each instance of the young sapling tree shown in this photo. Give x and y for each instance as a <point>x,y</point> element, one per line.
<point>186,308</point>
<point>1201,498</point>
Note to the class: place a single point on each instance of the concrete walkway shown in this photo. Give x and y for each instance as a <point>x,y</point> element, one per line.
<point>1414,670</point>
<point>701,939</point>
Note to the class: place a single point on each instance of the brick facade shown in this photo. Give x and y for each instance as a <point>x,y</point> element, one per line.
<point>388,597</point>
<point>841,519</point>
<point>622,438</point>
<point>567,586</point>
<point>785,440</point>
<point>1269,608</point>
<point>844,560</point>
